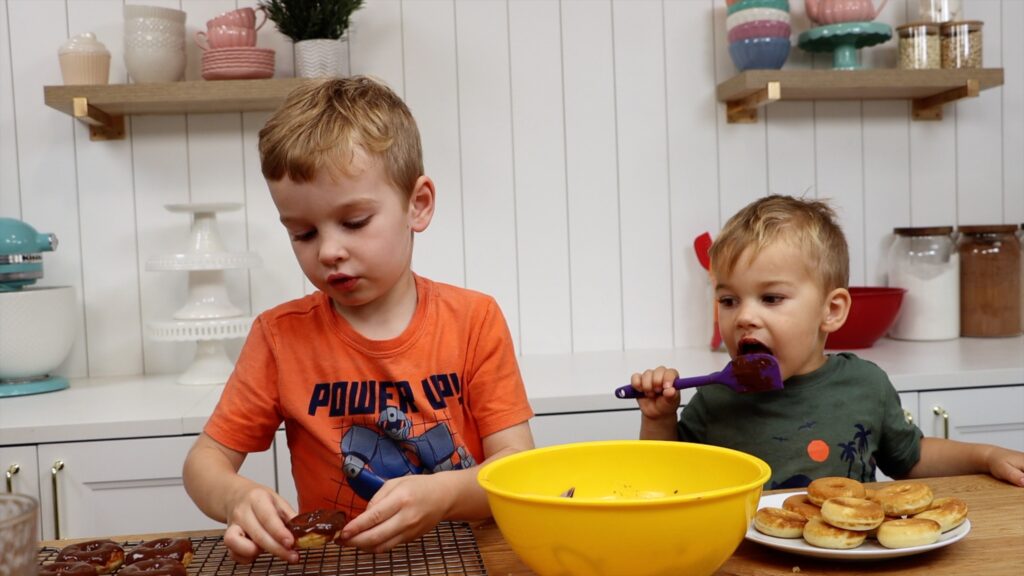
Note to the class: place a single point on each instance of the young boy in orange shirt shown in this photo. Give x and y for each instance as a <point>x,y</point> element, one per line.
<point>391,387</point>
<point>780,268</point>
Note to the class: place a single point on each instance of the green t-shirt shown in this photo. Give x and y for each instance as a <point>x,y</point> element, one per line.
<point>843,419</point>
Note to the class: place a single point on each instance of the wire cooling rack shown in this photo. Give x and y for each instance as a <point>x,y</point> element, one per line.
<point>449,549</point>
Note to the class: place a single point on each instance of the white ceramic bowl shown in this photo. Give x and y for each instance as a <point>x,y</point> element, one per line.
<point>38,330</point>
<point>137,11</point>
<point>752,14</point>
<point>148,66</point>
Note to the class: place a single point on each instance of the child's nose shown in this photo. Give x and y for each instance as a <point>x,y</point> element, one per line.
<point>746,314</point>
<point>333,248</point>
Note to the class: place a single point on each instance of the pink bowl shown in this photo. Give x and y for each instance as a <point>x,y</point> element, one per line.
<point>760,29</point>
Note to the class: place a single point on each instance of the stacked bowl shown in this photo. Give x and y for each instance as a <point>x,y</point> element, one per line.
<point>758,32</point>
<point>154,43</point>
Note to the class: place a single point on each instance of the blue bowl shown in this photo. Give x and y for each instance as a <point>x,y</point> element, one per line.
<point>759,53</point>
<point>747,4</point>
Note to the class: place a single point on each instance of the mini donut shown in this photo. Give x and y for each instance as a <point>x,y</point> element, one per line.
<point>154,567</point>
<point>904,498</point>
<point>105,555</point>
<point>779,523</point>
<point>948,512</point>
<point>834,487</point>
<point>317,528</point>
<point>819,533</point>
<point>802,505</point>
<point>852,513</point>
<point>179,549</point>
<point>67,569</point>
<point>908,532</point>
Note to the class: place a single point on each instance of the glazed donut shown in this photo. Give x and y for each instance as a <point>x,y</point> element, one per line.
<point>904,498</point>
<point>179,549</point>
<point>316,528</point>
<point>802,505</point>
<point>834,487</point>
<point>948,512</point>
<point>779,523</point>
<point>154,567</point>
<point>67,569</point>
<point>819,533</point>
<point>908,532</point>
<point>105,555</point>
<point>852,513</point>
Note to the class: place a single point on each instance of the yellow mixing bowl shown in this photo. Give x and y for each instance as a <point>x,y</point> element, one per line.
<point>638,507</point>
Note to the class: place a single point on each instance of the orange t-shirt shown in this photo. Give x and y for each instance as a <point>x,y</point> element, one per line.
<point>358,411</point>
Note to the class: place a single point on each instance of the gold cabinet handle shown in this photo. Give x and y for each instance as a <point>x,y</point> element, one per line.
<point>940,411</point>
<point>58,465</point>
<point>11,471</point>
<point>908,416</point>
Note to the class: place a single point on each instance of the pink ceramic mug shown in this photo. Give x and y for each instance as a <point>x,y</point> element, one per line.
<point>242,17</point>
<point>226,37</point>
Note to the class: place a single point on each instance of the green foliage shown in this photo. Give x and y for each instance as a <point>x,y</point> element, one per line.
<point>311,19</point>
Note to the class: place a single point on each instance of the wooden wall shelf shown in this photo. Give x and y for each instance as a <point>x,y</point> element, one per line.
<point>103,107</point>
<point>928,90</point>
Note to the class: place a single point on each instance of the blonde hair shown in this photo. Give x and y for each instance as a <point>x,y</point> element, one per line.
<point>810,225</point>
<point>322,124</point>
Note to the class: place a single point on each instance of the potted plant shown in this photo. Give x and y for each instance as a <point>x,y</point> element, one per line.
<point>316,27</point>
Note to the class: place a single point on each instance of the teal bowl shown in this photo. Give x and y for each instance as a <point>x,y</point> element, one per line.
<point>759,53</point>
<point>746,4</point>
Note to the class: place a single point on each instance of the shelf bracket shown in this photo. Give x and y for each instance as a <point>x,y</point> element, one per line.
<point>930,108</point>
<point>102,126</point>
<point>744,110</point>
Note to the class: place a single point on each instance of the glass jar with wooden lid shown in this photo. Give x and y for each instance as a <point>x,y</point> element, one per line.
<point>960,44</point>
<point>990,277</point>
<point>919,46</point>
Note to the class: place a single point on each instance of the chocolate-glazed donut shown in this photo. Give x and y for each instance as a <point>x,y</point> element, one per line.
<point>179,549</point>
<point>316,528</point>
<point>105,555</point>
<point>154,567</point>
<point>67,569</point>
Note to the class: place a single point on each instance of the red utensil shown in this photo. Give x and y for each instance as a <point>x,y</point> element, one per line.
<point>702,246</point>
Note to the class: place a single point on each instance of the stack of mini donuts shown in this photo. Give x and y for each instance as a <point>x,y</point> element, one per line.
<point>160,557</point>
<point>840,513</point>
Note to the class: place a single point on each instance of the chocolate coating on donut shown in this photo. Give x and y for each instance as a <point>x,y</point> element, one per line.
<point>67,569</point>
<point>154,567</point>
<point>323,522</point>
<point>173,548</point>
<point>103,553</point>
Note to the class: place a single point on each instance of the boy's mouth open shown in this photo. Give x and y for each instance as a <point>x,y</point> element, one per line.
<point>751,346</point>
<point>342,282</point>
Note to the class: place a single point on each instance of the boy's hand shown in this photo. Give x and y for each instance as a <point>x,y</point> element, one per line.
<point>660,398</point>
<point>403,509</point>
<point>1007,465</point>
<point>255,523</point>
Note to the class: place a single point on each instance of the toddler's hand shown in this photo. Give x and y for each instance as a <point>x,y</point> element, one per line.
<point>660,398</point>
<point>1007,465</point>
<point>403,509</point>
<point>255,523</point>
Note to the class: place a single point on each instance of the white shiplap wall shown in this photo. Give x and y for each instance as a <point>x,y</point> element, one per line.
<point>577,149</point>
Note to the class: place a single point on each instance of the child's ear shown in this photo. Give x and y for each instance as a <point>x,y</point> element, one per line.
<point>837,306</point>
<point>421,204</point>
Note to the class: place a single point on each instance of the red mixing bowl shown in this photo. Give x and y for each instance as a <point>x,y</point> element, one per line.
<point>873,310</point>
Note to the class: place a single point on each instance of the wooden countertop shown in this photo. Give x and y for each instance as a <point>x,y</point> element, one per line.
<point>994,546</point>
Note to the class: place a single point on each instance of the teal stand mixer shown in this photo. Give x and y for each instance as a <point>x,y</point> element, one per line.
<point>37,323</point>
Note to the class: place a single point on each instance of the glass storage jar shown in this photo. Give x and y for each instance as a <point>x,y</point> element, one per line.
<point>990,261</point>
<point>939,10</point>
<point>961,44</point>
<point>925,262</point>
<point>1020,238</point>
<point>919,46</point>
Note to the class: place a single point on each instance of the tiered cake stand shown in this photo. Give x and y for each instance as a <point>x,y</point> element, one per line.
<point>843,40</point>
<point>208,317</point>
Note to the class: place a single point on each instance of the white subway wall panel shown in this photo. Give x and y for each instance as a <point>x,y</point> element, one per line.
<point>577,149</point>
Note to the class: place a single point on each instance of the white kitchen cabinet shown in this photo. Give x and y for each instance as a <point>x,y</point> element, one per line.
<point>986,415</point>
<point>551,429</point>
<point>125,487</point>
<point>283,460</point>
<point>21,476</point>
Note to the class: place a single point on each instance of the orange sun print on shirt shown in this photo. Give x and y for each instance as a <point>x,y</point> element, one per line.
<point>818,450</point>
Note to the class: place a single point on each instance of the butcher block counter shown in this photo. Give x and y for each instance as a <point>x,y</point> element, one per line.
<point>994,546</point>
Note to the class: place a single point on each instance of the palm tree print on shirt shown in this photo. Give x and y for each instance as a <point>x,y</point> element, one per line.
<point>858,451</point>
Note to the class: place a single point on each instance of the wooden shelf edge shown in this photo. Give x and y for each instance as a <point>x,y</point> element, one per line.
<point>929,90</point>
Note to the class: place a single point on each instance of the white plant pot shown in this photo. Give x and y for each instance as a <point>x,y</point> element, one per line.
<point>320,57</point>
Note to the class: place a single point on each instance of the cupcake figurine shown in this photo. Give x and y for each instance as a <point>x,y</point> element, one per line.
<point>84,60</point>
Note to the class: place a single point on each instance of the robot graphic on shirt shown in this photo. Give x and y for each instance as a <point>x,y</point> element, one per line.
<point>374,456</point>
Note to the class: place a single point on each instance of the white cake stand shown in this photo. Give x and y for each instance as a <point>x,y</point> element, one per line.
<point>208,316</point>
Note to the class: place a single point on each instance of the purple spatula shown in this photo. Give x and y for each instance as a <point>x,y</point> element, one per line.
<point>747,373</point>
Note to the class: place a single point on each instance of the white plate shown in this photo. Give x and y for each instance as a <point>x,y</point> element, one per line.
<point>869,550</point>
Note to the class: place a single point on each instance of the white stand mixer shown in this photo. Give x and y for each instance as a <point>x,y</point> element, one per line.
<point>36,322</point>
